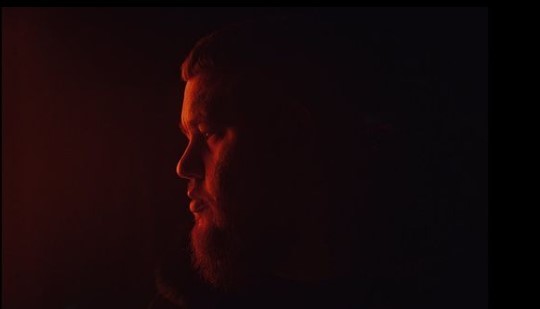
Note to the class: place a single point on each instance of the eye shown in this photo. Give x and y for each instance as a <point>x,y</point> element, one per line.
<point>206,131</point>
<point>207,134</point>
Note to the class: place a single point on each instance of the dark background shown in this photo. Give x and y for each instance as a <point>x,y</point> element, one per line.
<point>90,104</point>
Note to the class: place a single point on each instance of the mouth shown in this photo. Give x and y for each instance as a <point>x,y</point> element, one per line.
<point>196,206</point>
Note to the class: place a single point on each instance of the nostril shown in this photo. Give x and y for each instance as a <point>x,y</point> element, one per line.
<point>181,169</point>
<point>190,165</point>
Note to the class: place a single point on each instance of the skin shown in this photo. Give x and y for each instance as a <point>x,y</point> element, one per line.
<point>253,192</point>
<point>207,147</point>
<point>227,164</point>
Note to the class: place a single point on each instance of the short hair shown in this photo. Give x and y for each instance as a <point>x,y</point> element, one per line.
<point>309,59</point>
<point>320,63</point>
<point>345,77</point>
<point>299,54</point>
<point>381,136</point>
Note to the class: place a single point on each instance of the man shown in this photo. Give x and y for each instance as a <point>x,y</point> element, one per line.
<point>297,174</point>
<point>271,163</point>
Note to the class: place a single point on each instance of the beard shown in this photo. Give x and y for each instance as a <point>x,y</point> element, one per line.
<point>235,241</point>
<point>215,254</point>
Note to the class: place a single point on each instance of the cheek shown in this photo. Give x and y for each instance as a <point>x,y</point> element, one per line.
<point>219,158</point>
<point>218,172</point>
<point>211,178</point>
<point>237,172</point>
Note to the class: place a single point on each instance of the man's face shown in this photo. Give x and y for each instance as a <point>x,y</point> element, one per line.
<point>210,144</point>
<point>230,188</point>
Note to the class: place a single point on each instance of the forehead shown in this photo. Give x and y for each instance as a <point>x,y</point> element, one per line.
<point>205,99</point>
<point>197,96</point>
<point>227,100</point>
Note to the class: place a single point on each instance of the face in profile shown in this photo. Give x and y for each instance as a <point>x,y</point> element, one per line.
<point>231,187</point>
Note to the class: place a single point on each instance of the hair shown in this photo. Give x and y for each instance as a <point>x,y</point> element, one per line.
<point>399,127</point>
<point>351,86</point>
<point>340,78</point>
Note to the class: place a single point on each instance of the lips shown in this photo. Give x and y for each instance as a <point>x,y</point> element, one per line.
<point>197,203</point>
<point>196,206</point>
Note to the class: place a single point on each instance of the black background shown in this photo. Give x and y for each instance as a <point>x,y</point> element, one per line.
<point>90,104</point>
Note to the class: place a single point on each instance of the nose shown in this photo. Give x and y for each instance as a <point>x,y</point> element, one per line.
<point>190,165</point>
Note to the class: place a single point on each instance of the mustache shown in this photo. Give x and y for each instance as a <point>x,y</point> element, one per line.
<point>192,186</point>
<point>195,190</point>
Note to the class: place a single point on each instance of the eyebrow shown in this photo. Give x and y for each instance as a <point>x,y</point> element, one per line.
<point>193,123</point>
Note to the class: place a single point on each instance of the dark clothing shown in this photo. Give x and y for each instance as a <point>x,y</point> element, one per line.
<point>274,293</point>
<point>279,293</point>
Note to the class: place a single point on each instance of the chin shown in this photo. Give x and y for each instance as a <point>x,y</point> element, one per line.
<point>208,251</point>
<point>219,255</point>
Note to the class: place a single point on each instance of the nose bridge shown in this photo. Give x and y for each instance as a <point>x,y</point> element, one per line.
<point>190,164</point>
